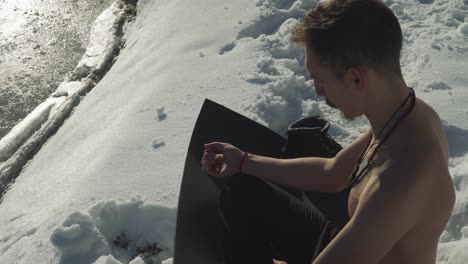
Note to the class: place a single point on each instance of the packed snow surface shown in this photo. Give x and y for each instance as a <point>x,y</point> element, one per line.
<point>104,188</point>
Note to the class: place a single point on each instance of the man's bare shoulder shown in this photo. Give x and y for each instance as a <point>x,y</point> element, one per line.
<point>420,140</point>
<point>415,160</point>
<point>428,127</point>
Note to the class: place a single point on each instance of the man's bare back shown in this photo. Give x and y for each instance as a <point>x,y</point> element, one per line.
<point>428,151</point>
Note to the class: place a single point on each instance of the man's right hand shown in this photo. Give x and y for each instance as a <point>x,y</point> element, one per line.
<point>221,159</point>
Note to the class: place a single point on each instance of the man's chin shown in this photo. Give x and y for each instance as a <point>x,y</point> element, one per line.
<point>342,114</point>
<point>349,118</point>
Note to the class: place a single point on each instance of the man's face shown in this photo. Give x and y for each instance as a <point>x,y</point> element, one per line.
<point>326,84</point>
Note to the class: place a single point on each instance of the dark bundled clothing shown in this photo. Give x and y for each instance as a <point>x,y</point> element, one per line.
<point>263,221</point>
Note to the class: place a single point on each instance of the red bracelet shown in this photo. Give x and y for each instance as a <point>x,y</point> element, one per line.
<point>242,161</point>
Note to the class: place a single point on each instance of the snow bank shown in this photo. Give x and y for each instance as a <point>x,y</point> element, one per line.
<point>25,129</point>
<point>79,240</point>
<point>104,42</point>
<point>116,233</point>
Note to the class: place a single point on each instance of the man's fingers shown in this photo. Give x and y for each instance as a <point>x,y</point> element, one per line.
<point>203,160</point>
<point>206,155</point>
<point>279,262</point>
<point>212,170</point>
<point>207,160</point>
<point>215,146</point>
<point>218,158</point>
<point>210,163</point>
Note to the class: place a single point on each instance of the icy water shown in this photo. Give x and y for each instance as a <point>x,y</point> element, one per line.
<point>41,41</point>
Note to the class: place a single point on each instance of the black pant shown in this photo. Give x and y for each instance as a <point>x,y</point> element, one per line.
<point>264,221</point>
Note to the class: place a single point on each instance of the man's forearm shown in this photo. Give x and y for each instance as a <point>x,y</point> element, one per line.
<point>308,174</point>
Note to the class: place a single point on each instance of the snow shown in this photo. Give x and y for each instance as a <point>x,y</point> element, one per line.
<point>104,187</point>
<point>121,229</point>
<point>24,130</point>
<point>103,42</point>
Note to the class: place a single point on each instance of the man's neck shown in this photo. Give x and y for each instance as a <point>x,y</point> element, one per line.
<point>383,101</point>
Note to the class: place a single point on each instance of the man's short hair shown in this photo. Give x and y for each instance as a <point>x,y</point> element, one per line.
<point>346,33</point>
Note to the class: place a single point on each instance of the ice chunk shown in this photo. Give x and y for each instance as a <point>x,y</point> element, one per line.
<point>103,42</point>
<point>158,142</point>
<point>25,129</point>
<point>75,87</point>
<point>161,114</point>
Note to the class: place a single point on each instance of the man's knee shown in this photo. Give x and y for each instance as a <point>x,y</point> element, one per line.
<point>243,187</point>
<point>240,193</point>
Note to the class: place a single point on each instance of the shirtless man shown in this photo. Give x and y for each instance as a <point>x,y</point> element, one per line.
<point>402,195</point>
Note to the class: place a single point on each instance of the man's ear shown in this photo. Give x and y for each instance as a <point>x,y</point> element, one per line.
<point>358,76</point>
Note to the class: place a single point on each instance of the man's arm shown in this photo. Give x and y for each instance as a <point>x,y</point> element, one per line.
<point>310,173</point>
<point>389,207</point>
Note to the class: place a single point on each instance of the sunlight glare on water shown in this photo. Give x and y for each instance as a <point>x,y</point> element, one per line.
<point>41,41</point>
<point>12,17</point>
